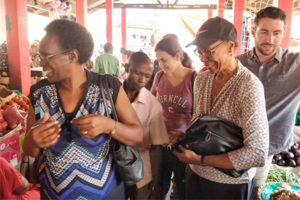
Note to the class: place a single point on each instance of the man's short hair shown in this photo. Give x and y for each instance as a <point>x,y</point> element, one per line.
<point>139,58</point>
<point>108,47</point>
<point>270,12</point>
<point>72,36</point>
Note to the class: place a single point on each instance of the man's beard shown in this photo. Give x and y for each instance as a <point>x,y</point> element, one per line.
<point>260,49</point>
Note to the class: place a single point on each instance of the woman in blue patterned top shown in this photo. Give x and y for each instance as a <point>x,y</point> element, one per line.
<point>67,126</point>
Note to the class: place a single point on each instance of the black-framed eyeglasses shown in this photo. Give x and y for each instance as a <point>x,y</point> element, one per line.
<point>207,52</point>
<point>47,57</point>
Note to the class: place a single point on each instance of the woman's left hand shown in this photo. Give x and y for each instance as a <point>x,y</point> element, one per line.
<point>90,126</point>
<point>187,156</point>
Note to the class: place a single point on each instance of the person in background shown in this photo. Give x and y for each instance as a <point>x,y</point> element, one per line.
<point>34,54</point>
<point>149,112</point>
<point>185,60</point>
<point>67,124</point>
<point>14,186</point>
<point>173,87</point>
<point>230,91</point>
<point>89,65</point>
<point>279,71</point>
<point>107,63</point>
<point>156,69</point>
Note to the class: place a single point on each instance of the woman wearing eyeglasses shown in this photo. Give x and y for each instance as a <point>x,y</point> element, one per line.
<point>173,88</point>
<point>68,129</point>
<point>227,90</point>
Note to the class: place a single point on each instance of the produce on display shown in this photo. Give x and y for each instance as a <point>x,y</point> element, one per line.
<point>289,157</point>
<point>283,176</point>
<point>285,193</point>
<point>13,111</point>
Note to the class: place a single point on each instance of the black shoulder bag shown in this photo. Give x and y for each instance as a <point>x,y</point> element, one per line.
<point>212,135</point>
<point>127,158</point>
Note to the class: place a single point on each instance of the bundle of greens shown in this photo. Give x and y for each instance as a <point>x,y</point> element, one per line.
<point>280,175</point>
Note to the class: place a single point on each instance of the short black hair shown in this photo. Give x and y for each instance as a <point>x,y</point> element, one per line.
<point>72,35</point>
<point>138,58</point>
<point>108,47</point>
<point>270,12</point>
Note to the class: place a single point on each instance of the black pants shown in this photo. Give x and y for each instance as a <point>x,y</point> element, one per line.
<point>170,163</point>
<point>200,188</point>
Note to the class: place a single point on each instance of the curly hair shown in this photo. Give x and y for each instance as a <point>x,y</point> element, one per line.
<point>72,36</point>
<point>270,12</point>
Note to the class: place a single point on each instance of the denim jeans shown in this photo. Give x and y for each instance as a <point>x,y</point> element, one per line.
<point>170,163</point>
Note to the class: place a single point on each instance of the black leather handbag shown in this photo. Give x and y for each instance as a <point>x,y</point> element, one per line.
<point>212,135</point>
<point>127,158</point>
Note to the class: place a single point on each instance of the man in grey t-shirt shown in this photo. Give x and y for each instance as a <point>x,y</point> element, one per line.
<point>279,71</point>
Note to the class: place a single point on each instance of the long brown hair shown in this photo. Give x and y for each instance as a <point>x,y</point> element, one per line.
<point>172,47</point>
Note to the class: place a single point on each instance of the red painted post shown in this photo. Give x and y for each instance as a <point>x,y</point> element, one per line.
<point>221,7</point>
<point>17,45</point>
<point>123,32</point>
<point>81,11</point>
<point>209,13</point>
<point>287,6</point>
<point>109,6</point>
<point>238,22</point>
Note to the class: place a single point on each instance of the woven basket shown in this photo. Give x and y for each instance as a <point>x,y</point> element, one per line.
<point>265,191</point>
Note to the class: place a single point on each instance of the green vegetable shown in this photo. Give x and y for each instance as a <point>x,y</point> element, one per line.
<point>280,175</point>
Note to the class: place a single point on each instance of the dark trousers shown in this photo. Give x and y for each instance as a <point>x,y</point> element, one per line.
<point>170,163</point>
<point>133,193</point>
<point>200,188</point>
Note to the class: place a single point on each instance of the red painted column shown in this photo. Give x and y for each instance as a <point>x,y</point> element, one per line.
<point>81,11</point>
<point>287,6</point>
<point>209,13</point>
<point>17,45</point>
<point>238,22</point>
<point>221,7</point>
<point>109,6</point>
<point>123,27</point>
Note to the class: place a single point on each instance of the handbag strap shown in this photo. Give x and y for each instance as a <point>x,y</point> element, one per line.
<point>103,86</point>
<point>113,143</point>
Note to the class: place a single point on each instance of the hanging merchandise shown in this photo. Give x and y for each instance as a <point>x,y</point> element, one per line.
<point>4,67</point>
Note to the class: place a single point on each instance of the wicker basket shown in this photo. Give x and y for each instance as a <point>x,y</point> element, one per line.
<point>265,190</point>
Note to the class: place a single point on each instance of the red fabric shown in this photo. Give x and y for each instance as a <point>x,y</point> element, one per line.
<point>203,69</point>
<point>11,179</point>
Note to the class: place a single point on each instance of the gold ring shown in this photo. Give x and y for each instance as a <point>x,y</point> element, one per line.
<point>85,132</point>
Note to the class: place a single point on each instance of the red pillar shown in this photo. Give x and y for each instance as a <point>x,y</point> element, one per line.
<point>238,22</point>
<point>287,6</point>
<point>109,6</point>
<point>81,11</point>
<point>17,45</point>
<point>221,7</point>
<point>123,32</point>
<point>209,13</point>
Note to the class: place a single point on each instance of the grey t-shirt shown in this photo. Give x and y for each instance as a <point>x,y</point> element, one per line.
<point>280,77</point>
